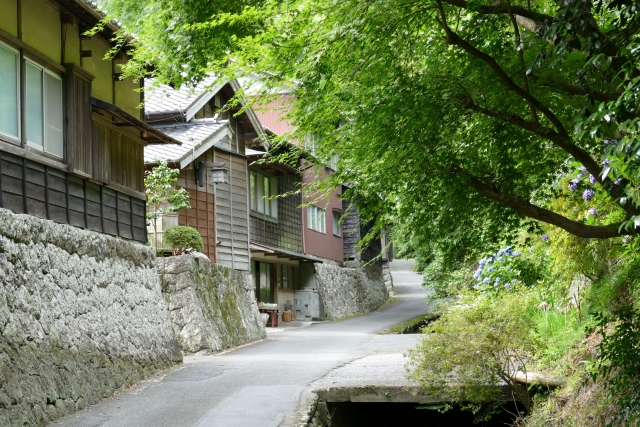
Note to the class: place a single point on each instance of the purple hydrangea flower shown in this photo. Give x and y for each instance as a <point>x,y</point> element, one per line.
<point>516,254</point>
<point>583,169</point>
<point>617,181</point>
<point>610,142</point>
<point>483,262</point>
<point>588,194</point>
<point>545,237</point>
<point>593,212</point>
<point>592,179</point>
<point>486,280</point>
<point>573,184</point>
<point>490,269</point>
<point>606,162</point>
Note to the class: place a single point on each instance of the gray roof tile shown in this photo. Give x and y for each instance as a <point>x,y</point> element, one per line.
<point>191,134</point>
<point>163,99</point>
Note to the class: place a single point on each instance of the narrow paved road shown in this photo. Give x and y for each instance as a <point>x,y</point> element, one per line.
<point>257,385</point>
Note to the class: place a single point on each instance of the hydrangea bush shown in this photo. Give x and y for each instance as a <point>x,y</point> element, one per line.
<point>506,268</point>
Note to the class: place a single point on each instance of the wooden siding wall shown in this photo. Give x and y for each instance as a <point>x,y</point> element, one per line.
<point>117,158</point>
<point>352,231</point>
<point>31,188</point>
<point>232,213</point>
<point>216,216</point>
<point>201,216</point>
<point>78,128</point>
<point>287,232</point>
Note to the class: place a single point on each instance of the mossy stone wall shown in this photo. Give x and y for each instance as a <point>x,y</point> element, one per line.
<point>212,307</point>
<point>81,317</point>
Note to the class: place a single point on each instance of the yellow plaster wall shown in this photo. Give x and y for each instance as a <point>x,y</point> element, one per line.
<point>9,16</point>
<point>101,86</point>
<point>41,28</point>
<point>126,96</point>
<point>72,48</point>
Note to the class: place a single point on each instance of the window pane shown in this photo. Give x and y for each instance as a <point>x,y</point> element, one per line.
<point>274,202</point>
<point>252,190</point>
<point>34,105</point>
<point>8,93</point>
<point>336,224</point>
<point>267,194</point>
<point>285,276</point>
<point>260,194</point>
<point>53,115</point>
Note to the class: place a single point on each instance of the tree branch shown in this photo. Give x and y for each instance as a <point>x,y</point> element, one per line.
<point>577,90</point>
<point>561,142</point>
<point>530,210</point>
<point>454,39</point>
<point>498,9</point>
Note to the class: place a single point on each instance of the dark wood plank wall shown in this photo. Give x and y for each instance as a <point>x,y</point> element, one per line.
<point>286,233</point>
<point>78,112</point>
<point>352,231</point>
<point>32,188</point>
<point>201,216</point>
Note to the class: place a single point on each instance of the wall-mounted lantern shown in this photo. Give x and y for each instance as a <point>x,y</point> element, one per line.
<point>219,174</point>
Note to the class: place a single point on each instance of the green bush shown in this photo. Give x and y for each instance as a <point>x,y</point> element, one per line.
<point>478,344</point>
<point>182,239</point>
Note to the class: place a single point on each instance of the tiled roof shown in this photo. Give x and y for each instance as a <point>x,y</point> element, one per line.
<point>193,136</point>
<point>163,99</point>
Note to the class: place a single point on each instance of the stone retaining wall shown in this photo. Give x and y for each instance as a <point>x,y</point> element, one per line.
<point>81,317</point>
<point>212,307</point>
<point>350,290</point>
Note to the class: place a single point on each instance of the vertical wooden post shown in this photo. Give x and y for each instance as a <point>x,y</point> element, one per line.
<point>46,191</point>
<point>24,184</point>
<point>131,217</point>
<point>117,216</point>
<point>84,202</point>
<point>102,207</point>
<point>66,190</point>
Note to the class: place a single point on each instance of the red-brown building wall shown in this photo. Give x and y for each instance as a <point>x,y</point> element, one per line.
<point>325,245</point>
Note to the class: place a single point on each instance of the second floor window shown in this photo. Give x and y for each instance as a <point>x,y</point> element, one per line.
<point>9,90</point>
<point>262,188</point>
<point>43,104</point>
<point>337,229</point>
<point>316,219</point>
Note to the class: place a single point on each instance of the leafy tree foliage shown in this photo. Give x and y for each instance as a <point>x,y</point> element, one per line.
<point>162,195</point>
<point>463,114</point>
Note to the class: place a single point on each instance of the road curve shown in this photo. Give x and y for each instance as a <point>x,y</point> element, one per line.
<point>256,385</point>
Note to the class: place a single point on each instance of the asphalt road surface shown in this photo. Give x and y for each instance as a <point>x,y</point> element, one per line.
<point>259,384</point>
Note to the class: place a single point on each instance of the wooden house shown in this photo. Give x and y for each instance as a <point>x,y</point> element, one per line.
<point>71,133</point>
<point>279,266</point>
<point>209,134</point>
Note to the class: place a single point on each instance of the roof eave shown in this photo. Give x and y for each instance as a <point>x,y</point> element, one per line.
<point>153,135</point>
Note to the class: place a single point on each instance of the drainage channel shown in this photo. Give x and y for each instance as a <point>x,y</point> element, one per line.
<point>360,414</point>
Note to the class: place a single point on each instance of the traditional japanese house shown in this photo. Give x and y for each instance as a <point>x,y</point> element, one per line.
<point>280,268</point>
<point>71,132</point>
<point>210,135</point>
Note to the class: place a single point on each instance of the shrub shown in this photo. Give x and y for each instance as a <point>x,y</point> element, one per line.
<point>477,345</point>
<point>182,239</point>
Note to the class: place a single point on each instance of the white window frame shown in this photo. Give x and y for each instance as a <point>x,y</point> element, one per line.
<point>16,52</point>
<point>35,145</point>
<point>260,201</point>
<point>316,219</point>
<point>337,228</point>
